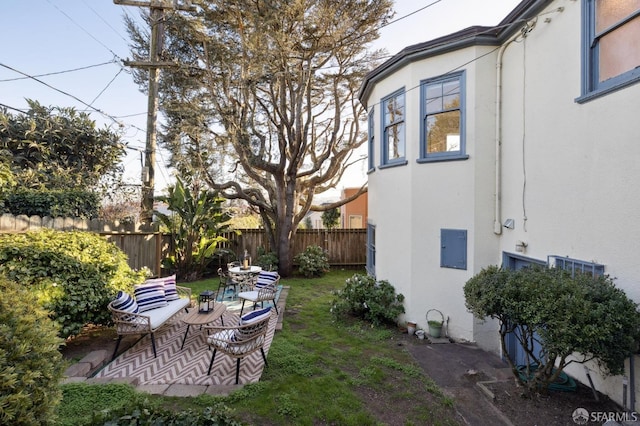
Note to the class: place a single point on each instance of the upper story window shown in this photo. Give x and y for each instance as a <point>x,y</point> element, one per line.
<point>393,128</point>
<point>442,112</point>
<point>371,145</point>
<point>611,52</point>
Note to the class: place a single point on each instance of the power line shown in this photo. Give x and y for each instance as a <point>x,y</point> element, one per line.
<point>103,20</point>
<point>409,14</point>
<point>113,61</point>
<point>60,91</point>
<point>106,87</point>
<point>83,29</point>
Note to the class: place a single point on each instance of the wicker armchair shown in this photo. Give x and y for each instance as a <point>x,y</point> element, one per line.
<point>238,341</point>
<point>264,288</point>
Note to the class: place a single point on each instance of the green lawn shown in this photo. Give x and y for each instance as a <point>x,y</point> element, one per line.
<point>319,372</point>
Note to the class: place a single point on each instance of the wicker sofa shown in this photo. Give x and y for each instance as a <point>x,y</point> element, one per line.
<point>129,317</point>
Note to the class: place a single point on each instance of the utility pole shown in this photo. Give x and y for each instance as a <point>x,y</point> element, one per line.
<point>157,8</point>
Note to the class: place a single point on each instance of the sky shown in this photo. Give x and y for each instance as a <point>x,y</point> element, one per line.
<point>74,50</point>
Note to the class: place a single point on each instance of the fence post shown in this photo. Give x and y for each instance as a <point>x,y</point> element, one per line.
<point>158,236</point>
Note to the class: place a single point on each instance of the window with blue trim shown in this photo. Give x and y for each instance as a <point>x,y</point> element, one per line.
<point>393,139</point>
<point>576,266</point>
<point>371,249</point>
<point>442,112</point>
<point>611,52</point>
<point>371,159</point>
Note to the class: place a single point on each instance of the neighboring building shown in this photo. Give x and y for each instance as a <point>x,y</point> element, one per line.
<point>315,219</point>
<point>353,215</point>
<point>511,145</point>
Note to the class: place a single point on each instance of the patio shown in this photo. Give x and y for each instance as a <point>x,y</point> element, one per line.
<point>189,366</point>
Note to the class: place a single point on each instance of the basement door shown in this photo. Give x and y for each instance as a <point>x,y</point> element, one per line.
<point>516,262</point>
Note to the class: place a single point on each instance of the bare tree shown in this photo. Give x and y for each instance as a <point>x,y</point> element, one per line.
<point>263,105</point>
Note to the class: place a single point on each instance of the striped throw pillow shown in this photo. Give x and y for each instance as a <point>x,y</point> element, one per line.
<point>150,296</point>
<point>124,302</point>
<point>169,283</point>
<point>255,316</point>
<point>266,278</point>
<point>170,290</point>
<point>250,318</point>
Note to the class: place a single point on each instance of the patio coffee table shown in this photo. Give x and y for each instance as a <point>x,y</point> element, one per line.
<point>196,318</point>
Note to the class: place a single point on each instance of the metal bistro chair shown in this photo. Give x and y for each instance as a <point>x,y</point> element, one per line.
<point>226,281</point>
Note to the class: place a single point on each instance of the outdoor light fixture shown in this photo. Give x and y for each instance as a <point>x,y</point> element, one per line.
<point>509,224</point>
<point>521,246</point>
<point>205,302</point>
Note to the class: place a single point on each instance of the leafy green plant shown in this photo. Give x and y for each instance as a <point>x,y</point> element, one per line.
<point>195,227</point>
<point>59,148</point>
<point>267,260</point>
<point>73,274</point>
<point>30,363</point>
<point>364,297</point>
<point>571,319</point>
<point>53,203</point>
<point>118,404</point>
<point>312,262</point>
<point>331,218</point>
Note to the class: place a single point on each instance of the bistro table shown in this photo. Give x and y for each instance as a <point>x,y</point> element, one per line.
<point>245,277</point>
<point>194,317</point>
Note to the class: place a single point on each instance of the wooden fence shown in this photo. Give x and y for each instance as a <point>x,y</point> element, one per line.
<point>344,247</point>
<point>147,248</point>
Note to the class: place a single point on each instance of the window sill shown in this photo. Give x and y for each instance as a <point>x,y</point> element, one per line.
<point>394,164</point>
<point>441,159</point>
<point>371,170</point>
<point>595,94</point>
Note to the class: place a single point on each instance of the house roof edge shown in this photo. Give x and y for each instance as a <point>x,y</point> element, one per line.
<point>470,36</point>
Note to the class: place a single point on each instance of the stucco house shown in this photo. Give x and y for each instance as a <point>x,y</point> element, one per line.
<point>353,215</point>
<point>508,145</point>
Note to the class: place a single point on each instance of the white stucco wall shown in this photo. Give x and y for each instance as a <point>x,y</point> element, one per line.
<point>568,172</point>
<point>410,204</point>
<point>569,169</point>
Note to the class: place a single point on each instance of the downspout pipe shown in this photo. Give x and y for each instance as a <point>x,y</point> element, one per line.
<point>497,218</point>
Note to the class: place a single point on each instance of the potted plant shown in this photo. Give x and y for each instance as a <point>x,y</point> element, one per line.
<point>435,325</point>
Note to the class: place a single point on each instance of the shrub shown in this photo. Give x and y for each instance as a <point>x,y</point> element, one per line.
<point>557,319</point>
<point>30,363</point>
<point>73,274</point>
<point>267,260</point>
<point>366,298</point>
<point>52,203</point>
<point>312,262</point>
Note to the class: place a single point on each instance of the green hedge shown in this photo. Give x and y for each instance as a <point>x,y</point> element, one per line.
<point>30,364</point>
<point>73,274</point>
<point>81,204</point>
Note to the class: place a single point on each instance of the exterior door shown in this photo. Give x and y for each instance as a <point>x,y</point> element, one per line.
<point>516,262</point>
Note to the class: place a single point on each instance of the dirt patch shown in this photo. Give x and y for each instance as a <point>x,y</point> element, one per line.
<point>93,338</point>
<point>556,408</point>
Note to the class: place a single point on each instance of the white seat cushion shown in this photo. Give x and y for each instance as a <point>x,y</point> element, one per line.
<point>249,295</point>
<point>159,316</point>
